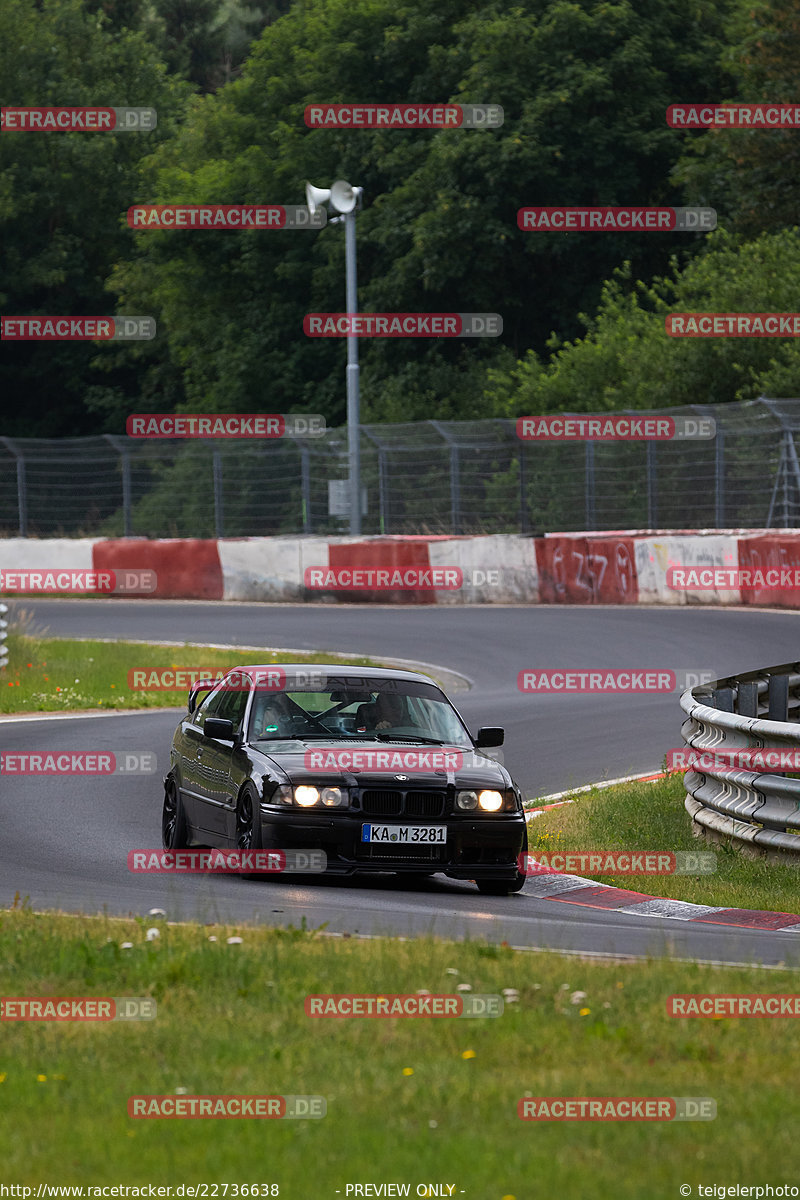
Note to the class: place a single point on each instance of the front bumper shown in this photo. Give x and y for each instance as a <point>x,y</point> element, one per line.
<point>485,848</point>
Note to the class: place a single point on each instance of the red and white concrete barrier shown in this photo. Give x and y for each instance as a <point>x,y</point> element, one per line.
<point>622,567</point>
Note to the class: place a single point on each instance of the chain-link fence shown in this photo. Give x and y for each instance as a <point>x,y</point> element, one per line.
<point>422,477</point>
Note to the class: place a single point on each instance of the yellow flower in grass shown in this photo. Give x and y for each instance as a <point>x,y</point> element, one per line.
<point>41,1079</point>
<point>584,1012</point>
<point>408,1070</point>
<point>468,1054</point>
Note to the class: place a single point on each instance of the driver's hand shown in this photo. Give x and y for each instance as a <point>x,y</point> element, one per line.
<point>384,725</point>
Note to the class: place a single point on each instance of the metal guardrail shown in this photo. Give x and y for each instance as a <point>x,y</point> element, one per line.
<point>752,710</point>
<point>3,636</point>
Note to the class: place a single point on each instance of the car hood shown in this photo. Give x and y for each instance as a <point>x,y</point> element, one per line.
<point>370,763</point>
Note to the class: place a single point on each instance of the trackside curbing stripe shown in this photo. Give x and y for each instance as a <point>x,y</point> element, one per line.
<point>587,893</point>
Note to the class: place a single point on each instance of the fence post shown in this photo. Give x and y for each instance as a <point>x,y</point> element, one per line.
<point>652,489</point>
<point>219,514</point>
<point>719,479</point>
<point>305,486</point>
<point>3,636</point>
<point>523,507</point>
<point>22,490</point>
<point>119,445</point>
<point>591,508</point>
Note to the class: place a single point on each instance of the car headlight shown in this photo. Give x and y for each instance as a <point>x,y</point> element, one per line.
<point>490,801</point>
<point>333,797</point>
<point>306,796</point>
<point>467,800</point>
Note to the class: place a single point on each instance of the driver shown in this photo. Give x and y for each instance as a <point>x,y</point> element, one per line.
<point>391,711</point>
<point>273,717</point>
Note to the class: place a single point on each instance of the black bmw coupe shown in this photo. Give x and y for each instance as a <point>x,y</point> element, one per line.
<point>373,767</point>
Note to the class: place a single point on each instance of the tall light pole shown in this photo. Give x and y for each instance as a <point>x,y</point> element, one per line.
<point>343,199</point>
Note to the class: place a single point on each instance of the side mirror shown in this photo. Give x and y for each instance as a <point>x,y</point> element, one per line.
<point>490,735</point>
<point>215,727</point>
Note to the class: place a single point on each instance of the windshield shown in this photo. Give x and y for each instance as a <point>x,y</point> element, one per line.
<point>367,709</point>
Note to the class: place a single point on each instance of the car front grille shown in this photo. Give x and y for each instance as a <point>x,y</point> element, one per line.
<point>397,803</point>
<point>400,852</point>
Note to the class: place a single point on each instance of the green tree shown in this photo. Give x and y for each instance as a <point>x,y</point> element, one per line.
<point>62,197</point>
<point>752,177</point>
<point>584,87</point>
<point>627,360</point>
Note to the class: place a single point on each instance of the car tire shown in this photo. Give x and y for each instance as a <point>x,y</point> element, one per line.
<point>248,831</point>
<point>174,831</point>
<point>504,887</point>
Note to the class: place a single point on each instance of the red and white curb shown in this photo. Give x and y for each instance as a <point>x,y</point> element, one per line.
<point>574,889</point>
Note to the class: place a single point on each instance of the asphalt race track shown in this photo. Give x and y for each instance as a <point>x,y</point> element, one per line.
<point>65,841</point>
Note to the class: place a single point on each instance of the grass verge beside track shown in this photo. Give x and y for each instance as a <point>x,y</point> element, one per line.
<point>651,816</point>
<point>409,1101</point>
<point>52,674</point>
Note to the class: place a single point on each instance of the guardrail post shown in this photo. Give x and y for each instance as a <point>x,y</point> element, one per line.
<point>778,695</point>
<point>748,698</point>
<point>723,699</point>
<point>3,636</point>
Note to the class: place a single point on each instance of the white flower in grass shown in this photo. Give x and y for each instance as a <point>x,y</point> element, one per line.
<point>212,938</point>
<point>464,987</point>
<point>511,995</point>
<point>153,935</point>
<point>234,941</point>
<point>577,997</point>
<point>451,971</point>
<point>126,946</point>
<point>181,1091</point>
<point>156,912</point>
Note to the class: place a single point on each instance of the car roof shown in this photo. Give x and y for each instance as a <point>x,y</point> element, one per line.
<point>343,671</point>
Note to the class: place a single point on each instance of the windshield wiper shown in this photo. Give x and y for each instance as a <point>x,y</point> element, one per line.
<point>409,737</point>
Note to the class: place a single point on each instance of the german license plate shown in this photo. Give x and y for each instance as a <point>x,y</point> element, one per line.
<point>405,835</point>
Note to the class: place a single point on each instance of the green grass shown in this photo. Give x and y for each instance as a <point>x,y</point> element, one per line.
<point>651,816</point>
<point>409,1101</point>
<point>51,674</point>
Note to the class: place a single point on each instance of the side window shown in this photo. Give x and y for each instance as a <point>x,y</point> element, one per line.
<point>232,706</point>
<point>208,707</point>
